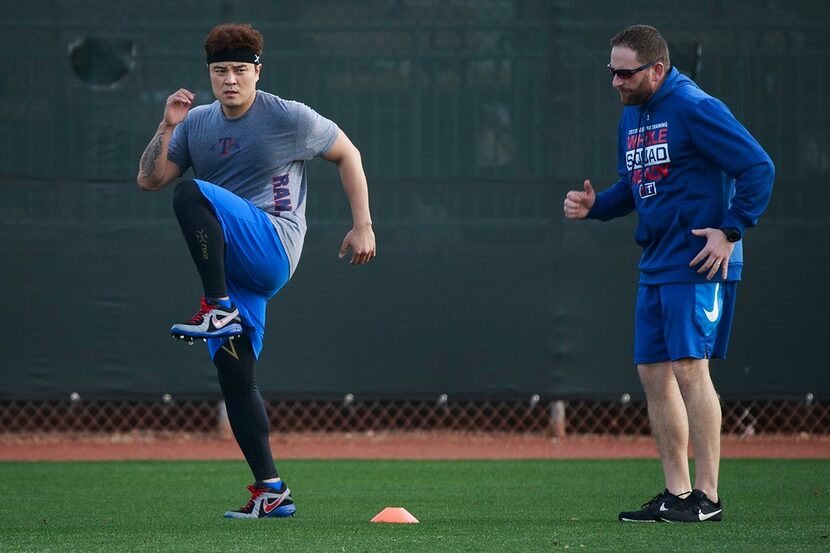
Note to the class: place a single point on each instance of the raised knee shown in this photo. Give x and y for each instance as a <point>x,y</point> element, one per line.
<point>185,193</point>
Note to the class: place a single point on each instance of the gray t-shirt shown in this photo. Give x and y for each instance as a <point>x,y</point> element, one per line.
<point>260,156</point>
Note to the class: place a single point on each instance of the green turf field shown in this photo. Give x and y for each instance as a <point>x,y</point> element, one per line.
<point>769,505</point>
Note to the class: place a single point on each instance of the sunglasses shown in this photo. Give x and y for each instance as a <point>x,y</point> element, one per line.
<point>627,73</point>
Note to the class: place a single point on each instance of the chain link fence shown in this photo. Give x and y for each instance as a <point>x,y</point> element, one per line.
<point>531,416</point>
<point>473,117</point>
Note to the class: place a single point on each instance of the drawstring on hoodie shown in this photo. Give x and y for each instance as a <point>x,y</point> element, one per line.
<point>642,152</point>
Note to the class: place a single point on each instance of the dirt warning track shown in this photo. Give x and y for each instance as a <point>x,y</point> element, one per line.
<point>425,445</point>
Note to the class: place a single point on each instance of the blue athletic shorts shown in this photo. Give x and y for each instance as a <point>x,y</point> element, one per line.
<point>256,265</point>
<point>680,320</point>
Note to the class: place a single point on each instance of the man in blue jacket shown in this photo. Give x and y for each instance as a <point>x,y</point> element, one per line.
<point>697,180</point>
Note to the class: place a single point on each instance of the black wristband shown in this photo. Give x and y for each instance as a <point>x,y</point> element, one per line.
<point>732,234</point>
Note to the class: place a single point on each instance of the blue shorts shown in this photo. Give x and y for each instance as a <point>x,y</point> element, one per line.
<point>256,265</point>
<point>680,320</point>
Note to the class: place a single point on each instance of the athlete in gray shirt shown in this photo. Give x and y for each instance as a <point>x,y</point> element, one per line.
<point>243,219</point>
<point>270,143</point>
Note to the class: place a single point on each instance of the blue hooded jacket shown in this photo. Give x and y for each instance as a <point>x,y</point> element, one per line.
<point>685,163</point>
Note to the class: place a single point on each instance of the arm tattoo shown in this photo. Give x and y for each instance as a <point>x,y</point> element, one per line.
<point>151,154</point>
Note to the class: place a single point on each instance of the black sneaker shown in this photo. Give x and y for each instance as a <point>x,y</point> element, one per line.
<point>696,508</point>
<point>212,321</point>
<point>651,510</point>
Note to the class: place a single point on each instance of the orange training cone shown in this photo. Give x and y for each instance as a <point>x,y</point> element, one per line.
<point>397,515</point>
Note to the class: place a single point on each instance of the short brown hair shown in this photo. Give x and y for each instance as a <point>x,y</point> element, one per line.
<point>645,41</point>
<point>233,36</point>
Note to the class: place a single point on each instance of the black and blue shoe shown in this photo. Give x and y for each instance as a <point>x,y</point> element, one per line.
<point>267,501</point>
<point>211,321</point>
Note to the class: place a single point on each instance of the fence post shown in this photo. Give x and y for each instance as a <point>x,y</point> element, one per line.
<point>557,419</point>
<point>223,425</point>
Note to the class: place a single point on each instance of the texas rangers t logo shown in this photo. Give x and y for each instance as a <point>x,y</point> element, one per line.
<point>227,144</point>
<point>648,189</point>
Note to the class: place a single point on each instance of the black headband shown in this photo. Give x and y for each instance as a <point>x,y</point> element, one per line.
<point>245,55</point>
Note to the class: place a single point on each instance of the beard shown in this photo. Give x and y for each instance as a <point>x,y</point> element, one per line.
<point>636,96</point>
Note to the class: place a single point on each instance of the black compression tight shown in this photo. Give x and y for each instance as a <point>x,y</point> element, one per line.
<point>203,235</point>
<point>235,362</point>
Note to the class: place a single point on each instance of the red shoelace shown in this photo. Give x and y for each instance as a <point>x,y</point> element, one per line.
<point>255,492</point>
<point>200,316</point>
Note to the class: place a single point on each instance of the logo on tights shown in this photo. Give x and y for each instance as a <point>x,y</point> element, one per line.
<point>201,237</point>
